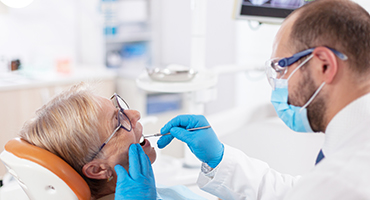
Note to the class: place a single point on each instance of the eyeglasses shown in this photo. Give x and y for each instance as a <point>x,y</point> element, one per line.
<point>123,120</point>
<point>276,68</point>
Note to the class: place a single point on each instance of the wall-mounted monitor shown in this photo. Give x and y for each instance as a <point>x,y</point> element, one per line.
<point>267,11</point>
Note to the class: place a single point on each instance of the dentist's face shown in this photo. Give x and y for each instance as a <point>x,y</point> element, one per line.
<point>116,150</point>
<point>298,87</point>
<point>302,84</point>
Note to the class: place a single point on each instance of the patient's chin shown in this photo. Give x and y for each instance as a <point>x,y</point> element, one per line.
<point>153,157</point>
<point>152,154</point>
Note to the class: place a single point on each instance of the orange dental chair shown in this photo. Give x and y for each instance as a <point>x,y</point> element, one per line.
<point>41,174</point>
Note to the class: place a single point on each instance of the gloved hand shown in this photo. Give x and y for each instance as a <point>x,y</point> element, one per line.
<point>203,143</point>
<point>139,182</point>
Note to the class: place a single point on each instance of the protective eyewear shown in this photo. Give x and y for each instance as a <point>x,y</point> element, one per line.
<point>123,121</point>
<point>276,68</point>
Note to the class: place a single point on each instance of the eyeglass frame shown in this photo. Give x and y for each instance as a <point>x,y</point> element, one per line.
<point>121,110</point>
<point>284,63</point>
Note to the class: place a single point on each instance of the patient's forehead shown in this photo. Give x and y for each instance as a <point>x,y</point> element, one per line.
<point>105,103</point>
<point>106,116</point>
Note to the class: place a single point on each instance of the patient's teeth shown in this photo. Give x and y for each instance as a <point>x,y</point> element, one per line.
<point>142,141</point>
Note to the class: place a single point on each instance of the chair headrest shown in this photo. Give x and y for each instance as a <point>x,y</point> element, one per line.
<point>53,163</point>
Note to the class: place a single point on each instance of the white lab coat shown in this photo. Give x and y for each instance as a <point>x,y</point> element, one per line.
<point>344,173</point>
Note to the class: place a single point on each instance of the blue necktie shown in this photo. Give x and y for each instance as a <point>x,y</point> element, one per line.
<point>319,157</point>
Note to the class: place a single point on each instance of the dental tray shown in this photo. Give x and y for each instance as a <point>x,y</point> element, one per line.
<point>173,73</point>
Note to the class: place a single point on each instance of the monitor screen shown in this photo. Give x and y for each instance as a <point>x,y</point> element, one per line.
<point>268,11</point>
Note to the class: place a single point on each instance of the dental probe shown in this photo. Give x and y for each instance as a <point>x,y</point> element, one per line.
<point>158,134</point>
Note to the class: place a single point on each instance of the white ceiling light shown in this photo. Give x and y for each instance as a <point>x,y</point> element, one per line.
<point>17,3</point>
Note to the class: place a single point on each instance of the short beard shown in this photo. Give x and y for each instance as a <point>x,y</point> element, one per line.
<point>317,108</point>
<point>316,114</point>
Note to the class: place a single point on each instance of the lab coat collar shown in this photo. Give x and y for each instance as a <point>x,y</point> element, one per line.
<point>340,128</point>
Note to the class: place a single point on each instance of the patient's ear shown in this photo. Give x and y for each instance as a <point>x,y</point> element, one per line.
<point>97,170</point>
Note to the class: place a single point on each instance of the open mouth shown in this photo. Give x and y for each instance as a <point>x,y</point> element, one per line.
<point>142,141</point>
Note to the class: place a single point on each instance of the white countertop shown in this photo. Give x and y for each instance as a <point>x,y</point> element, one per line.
<point>22,79</point>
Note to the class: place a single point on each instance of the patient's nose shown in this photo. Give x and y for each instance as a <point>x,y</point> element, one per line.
<point>133,115</point>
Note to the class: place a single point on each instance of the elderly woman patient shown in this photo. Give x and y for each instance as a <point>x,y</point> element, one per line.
<point>94,135</point>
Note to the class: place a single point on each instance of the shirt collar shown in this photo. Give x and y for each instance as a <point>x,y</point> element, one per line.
<point>341,126</point>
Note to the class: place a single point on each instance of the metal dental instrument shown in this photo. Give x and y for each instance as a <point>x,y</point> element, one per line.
<point>190,129</point>
<point>158,134</point>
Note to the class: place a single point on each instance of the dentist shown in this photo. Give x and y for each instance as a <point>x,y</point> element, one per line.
<point>320,75</point>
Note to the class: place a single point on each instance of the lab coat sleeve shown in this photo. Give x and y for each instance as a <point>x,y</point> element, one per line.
<point>241,177</point>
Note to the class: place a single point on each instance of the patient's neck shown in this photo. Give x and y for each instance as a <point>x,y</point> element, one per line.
<point>108,189</point>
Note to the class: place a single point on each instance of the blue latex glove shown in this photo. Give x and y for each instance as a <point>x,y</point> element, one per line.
<point>203,143</point>
<point>139,182</point>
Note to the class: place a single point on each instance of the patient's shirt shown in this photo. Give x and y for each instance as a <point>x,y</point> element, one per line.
<point>177,192</point>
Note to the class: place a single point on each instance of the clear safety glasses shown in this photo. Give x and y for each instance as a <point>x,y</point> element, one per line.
<point>276,68</point>
<point>123,121</point>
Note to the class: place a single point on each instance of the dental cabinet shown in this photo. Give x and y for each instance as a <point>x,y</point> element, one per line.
<point>127,34</point>
<point>21,96</point>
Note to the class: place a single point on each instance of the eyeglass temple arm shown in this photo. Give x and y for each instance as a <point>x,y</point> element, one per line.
<point>110,137</point>
<point>290,60</point>
<point>339,54</point>
<point>285,62</point>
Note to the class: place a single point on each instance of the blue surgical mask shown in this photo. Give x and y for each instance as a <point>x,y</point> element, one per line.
<point>294,117</point>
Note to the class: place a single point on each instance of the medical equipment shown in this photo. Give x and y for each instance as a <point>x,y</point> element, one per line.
<point>158,134</point>
<point>190,129</point>
<point>273,11</point>
<point>42,174</point>
<point>293,116</point>
<point>172,73</point>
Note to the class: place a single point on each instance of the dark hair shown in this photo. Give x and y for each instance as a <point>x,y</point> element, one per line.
<point>339,24</point>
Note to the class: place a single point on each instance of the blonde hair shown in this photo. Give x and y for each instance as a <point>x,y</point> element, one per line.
<point>68,126</point>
